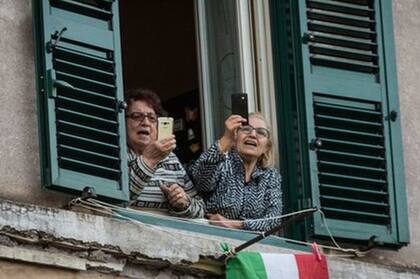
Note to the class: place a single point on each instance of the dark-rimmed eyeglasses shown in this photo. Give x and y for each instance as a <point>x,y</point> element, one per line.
<point>139,116</point>
<point>260,131</point>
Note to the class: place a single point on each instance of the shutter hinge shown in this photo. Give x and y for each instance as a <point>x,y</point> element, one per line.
<point>393,115</point>
<point>122,106</point>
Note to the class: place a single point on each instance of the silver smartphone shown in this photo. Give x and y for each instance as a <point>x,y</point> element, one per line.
<point>165,127</point>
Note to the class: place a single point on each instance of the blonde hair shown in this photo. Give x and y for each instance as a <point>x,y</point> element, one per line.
<point>266,160</point>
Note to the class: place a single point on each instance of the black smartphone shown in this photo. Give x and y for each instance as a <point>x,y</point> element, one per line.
<point>240,105</point>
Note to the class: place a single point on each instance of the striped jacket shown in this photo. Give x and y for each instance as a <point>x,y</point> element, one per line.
<point>220,179</point>
<point>145,185</point>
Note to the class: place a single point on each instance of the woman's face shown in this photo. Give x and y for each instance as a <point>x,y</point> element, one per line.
<point>141,125</point>
<point>252,143</point>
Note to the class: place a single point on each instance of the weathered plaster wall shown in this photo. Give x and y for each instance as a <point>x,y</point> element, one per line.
<point>87,242</point>
<point>19,159</point>
<point>9,269</point>
<point>407,43</point>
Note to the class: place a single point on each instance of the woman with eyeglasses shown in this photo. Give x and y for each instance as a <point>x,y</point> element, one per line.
<point>158,181</point>
<point>235,177</point>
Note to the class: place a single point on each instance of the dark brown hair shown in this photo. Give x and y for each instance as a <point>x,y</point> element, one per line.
<point>145,95</point>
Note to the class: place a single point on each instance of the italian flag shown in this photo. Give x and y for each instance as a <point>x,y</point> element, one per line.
<point>248,265</point>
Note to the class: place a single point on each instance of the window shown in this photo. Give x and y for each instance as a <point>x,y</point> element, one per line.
<point>88,51</point>
<point>335,91</point>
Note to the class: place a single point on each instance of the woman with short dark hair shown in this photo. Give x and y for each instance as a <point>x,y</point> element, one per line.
<point>157,179</point>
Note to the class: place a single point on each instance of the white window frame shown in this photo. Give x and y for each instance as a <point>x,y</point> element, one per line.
<point>246,62</point>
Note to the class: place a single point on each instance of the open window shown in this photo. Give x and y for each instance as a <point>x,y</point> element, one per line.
<point>89,51</point>
<point>336,96</point>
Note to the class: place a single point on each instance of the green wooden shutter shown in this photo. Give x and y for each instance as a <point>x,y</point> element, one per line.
<point>352,119</point>
<point>80,94</point>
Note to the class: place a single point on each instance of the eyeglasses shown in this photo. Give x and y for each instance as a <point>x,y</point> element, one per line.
<point>139,116</point>
<point>260,131</point>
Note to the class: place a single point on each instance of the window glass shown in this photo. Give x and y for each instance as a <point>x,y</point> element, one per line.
<point>220,59</point>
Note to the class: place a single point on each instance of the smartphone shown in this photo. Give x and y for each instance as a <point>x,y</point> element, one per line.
<point>240,105</point>
<point>165,127</point>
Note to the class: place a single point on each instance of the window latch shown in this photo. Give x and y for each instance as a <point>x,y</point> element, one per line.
<point>52,83</point>
<point>52,44</point>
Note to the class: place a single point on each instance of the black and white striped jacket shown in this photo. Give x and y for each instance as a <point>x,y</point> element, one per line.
<point>145,185</point>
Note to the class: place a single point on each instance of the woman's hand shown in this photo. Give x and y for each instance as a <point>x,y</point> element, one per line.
<point>176,196</point>
<point>231,125</point>
<point>219,220</point>
<point>158,150</point>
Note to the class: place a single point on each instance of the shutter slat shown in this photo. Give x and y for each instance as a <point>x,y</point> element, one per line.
<point>89,145</point>
<point>352,136</point>
<point>85,109</point>
<point>101,85</point>
<point>356,201</point>
<point>352,181</point>
<point>342,110</point>
<point>339,8</point>
<point>358,67</point>
<point>82,155</point>
<point>348,145</point>
<point>339,41</point>
<point>341,20</point>
<point>87,120</point>
<point>357,216</point>
<point>88,97</point>
<point>350,158</point>
<point>349,120</point>
<point>368,3</point>
<point>335,52</point>
<point>89,105</point>
<point>81,8</point>
<point>82,58</point>
<point>88,72</point>
<point>359,171</point>
<point>340,30</point>
<point>355,191</point>
<point>90,169</point>
<point>87,132</point>
<point>352,168</point>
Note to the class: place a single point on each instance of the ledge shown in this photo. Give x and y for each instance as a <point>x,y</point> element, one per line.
<point>81,241</point>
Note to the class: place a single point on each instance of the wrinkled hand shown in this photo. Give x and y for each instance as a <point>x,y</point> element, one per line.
<point>158,150</point>
<point>176,196</point>
<point>219,220</point>
<point>231,125</point>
